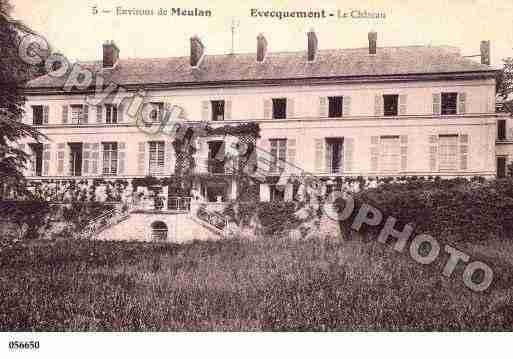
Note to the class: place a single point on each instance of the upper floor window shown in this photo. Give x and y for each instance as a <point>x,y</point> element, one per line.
<point>110,158</point>
<point>156,157</point>
<point>335,106</point>
<point>449,103</point>
<point>501,130</point>
<point>279,108</point>
<point>111,113</point>
<point>278,154</point>
<point>390,105</point>
<point>157,111</point>
<point>77,114</point>
<point>37,115</point>
<point>217,110</point>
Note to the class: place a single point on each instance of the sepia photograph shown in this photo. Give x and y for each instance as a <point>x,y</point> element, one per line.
<point>226,168</point>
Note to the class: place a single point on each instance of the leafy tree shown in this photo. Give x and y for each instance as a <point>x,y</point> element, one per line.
<point>14,73</point>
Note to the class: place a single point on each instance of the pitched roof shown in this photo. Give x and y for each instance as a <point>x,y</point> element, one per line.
<point>281,65</point>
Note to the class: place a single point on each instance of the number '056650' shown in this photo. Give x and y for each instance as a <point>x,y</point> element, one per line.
<point>30,345</point>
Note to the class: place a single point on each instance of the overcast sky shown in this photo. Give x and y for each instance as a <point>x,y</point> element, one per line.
<point>71,27</point>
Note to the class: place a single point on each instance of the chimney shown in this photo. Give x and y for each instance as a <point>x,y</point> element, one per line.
<point>373,38</point>
<point>261,47</point>
<point>312,45</point>
<point>197,50</point>
<point>485,52</point>
<point>110,54</point>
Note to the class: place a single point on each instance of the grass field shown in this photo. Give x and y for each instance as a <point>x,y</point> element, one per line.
<point>268,284</point>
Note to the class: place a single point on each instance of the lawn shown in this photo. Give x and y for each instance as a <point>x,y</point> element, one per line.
<point>267,284</point>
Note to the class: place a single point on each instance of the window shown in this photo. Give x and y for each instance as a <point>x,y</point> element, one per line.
<point>501,130</point>
<point>157,111</point>
<point>278,154</point>
<point>279,108</point>
<point>37,115</point>
<point>77,114</point>
<point>449,103</point>
<point>448,149</point>
<point>390,153</point>
<point>75,160</point>
<point>501,167</point>
<point>335,106</point>
<point>156,157</point>
<point>217,110</point>
<point>36,160</point>
<point>277,194</point>
<point>111,113</point>
<point>110,158</point>
<point>390,105</point>
<point>216,155</point>
<point>334,154</point>
<point>158,231</point>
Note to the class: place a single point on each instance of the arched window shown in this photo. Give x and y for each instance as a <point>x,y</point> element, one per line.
<point>158,231</point>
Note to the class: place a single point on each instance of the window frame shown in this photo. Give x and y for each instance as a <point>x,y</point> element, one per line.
<point>156,157</point>
<point>445,150</point>
<point>111,113</point>
<point>111,157</point>
<point>278,151</point>
<point>389,161</point>
<point>80,117</point>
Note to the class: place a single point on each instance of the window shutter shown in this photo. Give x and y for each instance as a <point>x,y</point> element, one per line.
<point>437,104</point>
<point>169,158</point>
<point>378,105</point>
<point>86,158</point>
<point>323,106</point>
<point>348,154</point>
<point>46,113</point>
<point>268,114</point>
<point>464,152</point>
<point>433,152</point>
<point>290,108</point>
<point>205,109</point>
<point>31,160</point>
<point>291,152</point>
<point>404,152</point>
<point>374,151</point>
<point>121,158</point>
<point>265,192</point>
<point>121,111</point>
<point>319,155</point>
<point>346,104</point>
<point>228,110</point>
<point>46,159</point>
<point>95,156</point>
<point>86,114</point>
<point>462,98</point>
<point>402,104</point>
<point>99,113</point>
<point>64,114</point>
<point>327,157</point>
<point>60,158</point>
<point>141,158</point>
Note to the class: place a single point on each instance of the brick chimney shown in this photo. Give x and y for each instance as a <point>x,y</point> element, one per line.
<point>312,45</point>
<point>197,51</point>
<point>110,54</point>
<point>373,39</point>
<point>485,52</point>
<point>261,47</point>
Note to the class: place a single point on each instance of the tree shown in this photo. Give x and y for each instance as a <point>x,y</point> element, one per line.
<point>505,84</point>
<point>14,73</point>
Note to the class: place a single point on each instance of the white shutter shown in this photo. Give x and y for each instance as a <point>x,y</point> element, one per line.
<point>169,158</point>
<point>433,153</point>
<point>378,105</point>
<point>85,118</point>
<point>205,110</point>
<point>348,154</point>
<point>346,104</point>
<point>95,158</point>
<point>374,153</point>
<point>290,108</point>
<point>228,110</point>
<point>291,152</point>
<point>462,98</point>
<point>121,110</point>
<point>464,140</point>
<point>437,104</point>
<point>99,113</point>
<point>404,152</point>
<point>86,162</point>
<point>402,104</point>
<point>268,109</point>
<point>319,155</point>
<point>46,114</point>
<point>141,156</point>
<point>265,192</point>
<point>60,158</point>
<point>121,158</point>
<point>47,157</point>
<point>64,114</point>
<point>323,106</point>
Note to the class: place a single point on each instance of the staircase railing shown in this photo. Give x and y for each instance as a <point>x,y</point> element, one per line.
<point>215,219</point>
<point>104,220</point>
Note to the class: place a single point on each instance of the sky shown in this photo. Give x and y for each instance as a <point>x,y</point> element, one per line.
<point>72,29</point>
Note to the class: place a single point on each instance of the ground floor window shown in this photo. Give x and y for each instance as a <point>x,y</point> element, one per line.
<point>36,160</point>
<point>448,152</point>
<point>277,193</point>
<point>158,231</point>
<point>278,154</point>
<point>110,158</point>
<point>390,155</point>
<point>156,164</point>
<point>501,167</point>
